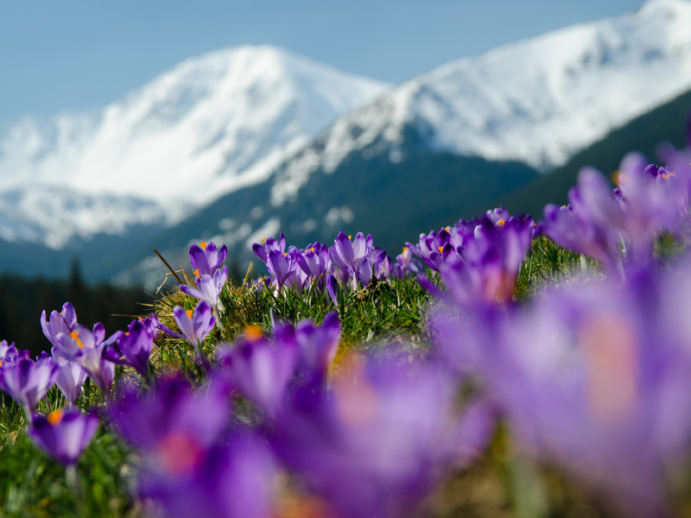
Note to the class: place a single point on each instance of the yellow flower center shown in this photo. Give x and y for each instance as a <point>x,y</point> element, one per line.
<point>253,332</point>
<point>405,248</point>
<point>350,237</point>
<point>75,336</point>
<point>55,417</point>
<point>615,177</point>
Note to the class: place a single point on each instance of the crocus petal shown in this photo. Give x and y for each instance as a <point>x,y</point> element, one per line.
<point>184,323</point>
<point>260,252</point>
<point>198,259</point>
<point>333,288</point>
<point>69,315</point>
<point>345,248</point>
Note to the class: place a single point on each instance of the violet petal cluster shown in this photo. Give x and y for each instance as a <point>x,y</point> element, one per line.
<point>64,434</point>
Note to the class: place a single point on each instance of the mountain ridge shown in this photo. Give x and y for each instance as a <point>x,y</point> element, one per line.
<point>212,124</point>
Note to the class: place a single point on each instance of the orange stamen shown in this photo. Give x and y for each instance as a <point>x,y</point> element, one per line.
<point>75,336</point>
<point>196,273</point>
<point>203,245</point>
<point>189,313</point>
<point>615,177</point>
<point>253,332</point>
<point>501,222</point>
<point>263,240</point>
<point>55,417</point>
<point>441,249</point>
<point>350,237</point>
<point>667,176</point>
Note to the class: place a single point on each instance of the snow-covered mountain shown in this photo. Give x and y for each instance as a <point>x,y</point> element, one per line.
<point>236,145</point>
<point>211,125</point>
<point>537,101</point>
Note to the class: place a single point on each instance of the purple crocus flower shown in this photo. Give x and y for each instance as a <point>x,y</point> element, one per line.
<point>259,368</point>
<point>405,264</point>
<point>314,262</point>
<point>5,348</point>
<point>9,354</point>
<point>233,480</point>
<point>487,268</point>
<point>27,381</point>
<point>594,378</point>
<point>598,221</point>
<point>192,467</point>
<point>151,323</point>
<point>209,287</point>
<point>195,325</point>
<point>651,198</point>
<point>382,264</point>
<point>317,346</point>
<point>498,216</point>
<point>64,434</point>
<point>70,379</point>
<point>678,167</point>
<point>69,345</point>
<point>136,345</point>
<point>571,227</point>
<point>373,447</point>
<point>63,322</point>
<point>206,259</point>
<point>172,413</point>
<point>87,349</point>
<point>353,258</point>
<point>282,268</point>
<point>269,244</point>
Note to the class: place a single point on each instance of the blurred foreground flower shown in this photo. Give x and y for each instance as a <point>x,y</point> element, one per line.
<point>374,446</point>
<point>596,378</point>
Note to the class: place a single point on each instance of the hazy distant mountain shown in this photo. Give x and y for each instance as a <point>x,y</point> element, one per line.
<point>209,126</point>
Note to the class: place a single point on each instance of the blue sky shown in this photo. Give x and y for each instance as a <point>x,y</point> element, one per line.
<point>82,54</point>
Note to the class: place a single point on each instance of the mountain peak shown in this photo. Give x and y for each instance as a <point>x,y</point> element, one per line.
<point>212,124</point>
<point>537,101</point>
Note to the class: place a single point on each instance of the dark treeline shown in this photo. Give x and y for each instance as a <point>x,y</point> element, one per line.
<point>22,300</point>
